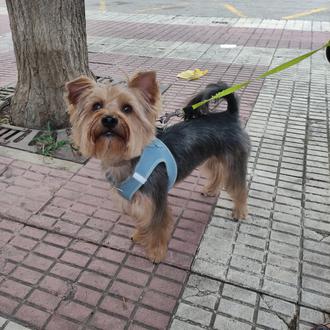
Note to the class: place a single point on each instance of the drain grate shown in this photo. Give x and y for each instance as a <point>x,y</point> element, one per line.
<point>24,139</point>
<point>17,137</point>
<point>106,79</point>
<point>6,94</point>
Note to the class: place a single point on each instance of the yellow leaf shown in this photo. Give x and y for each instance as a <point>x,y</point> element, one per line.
<point>192,74</point>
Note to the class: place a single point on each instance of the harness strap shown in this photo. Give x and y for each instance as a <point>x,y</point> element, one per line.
<point>153,154</point>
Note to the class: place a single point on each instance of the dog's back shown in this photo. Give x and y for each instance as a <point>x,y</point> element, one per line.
<point>206,134</point>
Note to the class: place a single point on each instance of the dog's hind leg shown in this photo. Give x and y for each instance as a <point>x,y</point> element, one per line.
<point>213,170</point>
<point>235,176</point>
<point>239,196</point>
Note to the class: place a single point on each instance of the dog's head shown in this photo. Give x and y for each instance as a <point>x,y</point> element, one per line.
<point>113,122</point>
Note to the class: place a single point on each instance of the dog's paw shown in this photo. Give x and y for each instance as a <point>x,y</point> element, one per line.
<point>240,213</point>
<point>157,254</point>
<point>136,237</point>
<point>209,192</point>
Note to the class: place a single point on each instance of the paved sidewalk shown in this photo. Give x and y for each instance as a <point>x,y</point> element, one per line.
<point>66,260</point>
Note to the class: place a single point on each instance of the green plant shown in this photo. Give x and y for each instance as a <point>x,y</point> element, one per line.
<point>47,143</point>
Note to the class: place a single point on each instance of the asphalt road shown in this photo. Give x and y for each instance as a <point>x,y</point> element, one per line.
<point>273,9</point>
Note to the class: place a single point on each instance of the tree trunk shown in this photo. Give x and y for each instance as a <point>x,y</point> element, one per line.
<point>50,47</point>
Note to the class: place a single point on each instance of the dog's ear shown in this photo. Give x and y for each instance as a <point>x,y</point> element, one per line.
<point>76,87</point>
<point>147,84</point>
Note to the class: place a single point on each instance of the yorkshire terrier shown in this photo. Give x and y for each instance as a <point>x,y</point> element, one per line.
<point>115,123</point>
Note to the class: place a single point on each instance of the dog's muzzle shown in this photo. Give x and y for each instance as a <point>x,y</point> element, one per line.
<point>109,122</point>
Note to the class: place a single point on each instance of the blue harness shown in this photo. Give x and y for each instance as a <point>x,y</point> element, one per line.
<point>154,153</point>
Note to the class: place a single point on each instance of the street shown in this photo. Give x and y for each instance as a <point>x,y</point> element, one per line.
<point>281,9</point>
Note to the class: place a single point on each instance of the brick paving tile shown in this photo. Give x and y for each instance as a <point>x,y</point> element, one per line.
<point>86,295</point>
<point>27,275</point>
<point>15,289</point>
<point>8,305</point>
<point>74,310</point>
<point>103,267</point>
<point>160,301</point>
<point>44,299</point>
<point>66,271</point>
<point>152,318</point>
<point>126,290</point>
<point>104,321</point>
<point>94,280</point>
<point>58,323</point>
<point>32,315</point>
<point>118,306</point>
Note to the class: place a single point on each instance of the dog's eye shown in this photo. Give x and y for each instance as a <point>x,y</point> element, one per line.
<point>126,108</point>
<point>97,106</point>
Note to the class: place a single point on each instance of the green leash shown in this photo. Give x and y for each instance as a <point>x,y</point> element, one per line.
<point>279,68</point>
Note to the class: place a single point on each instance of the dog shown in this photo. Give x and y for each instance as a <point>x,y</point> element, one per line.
<point>116,123</point>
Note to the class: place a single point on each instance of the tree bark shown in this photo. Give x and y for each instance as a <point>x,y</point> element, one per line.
<point>50,45</point>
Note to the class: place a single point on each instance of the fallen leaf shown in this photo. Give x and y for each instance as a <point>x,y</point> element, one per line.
<point>192,74</point>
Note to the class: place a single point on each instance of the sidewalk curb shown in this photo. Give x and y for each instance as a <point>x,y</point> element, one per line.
<point>39,159</point>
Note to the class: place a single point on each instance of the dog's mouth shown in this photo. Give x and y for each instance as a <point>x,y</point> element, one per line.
<point>118,132</point>
<point>111,133</point>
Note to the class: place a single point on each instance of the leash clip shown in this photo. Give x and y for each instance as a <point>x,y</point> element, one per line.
<point>168,115</point>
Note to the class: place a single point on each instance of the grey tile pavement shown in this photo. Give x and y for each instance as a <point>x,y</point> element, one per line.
<point>272,270</point>
<point>6,324</point>
<point>211,304</point>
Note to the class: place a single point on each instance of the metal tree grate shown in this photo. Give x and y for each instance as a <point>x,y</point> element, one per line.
<point>25,139</point>
<point>6,94</point>
<point>106,79</point>
<point>17,137</point>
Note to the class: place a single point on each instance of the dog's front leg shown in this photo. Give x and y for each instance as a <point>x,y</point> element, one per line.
<point>153,226</point>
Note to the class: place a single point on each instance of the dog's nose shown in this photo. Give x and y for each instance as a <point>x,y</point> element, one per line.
<point>109,122</point>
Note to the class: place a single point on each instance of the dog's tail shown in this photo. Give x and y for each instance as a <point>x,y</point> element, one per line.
<point>231,99</point>
<point>207,93</point>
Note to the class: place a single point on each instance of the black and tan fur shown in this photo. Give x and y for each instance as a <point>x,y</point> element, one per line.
<point>115,123</point>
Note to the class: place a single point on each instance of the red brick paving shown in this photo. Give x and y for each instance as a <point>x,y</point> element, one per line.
<point>4,24</point>
<point>68,258</point>
<point>87,211</point>
<point>56,280</point>
<point>8,71</point>
<point>250,37</point>
<point>179,91</point>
